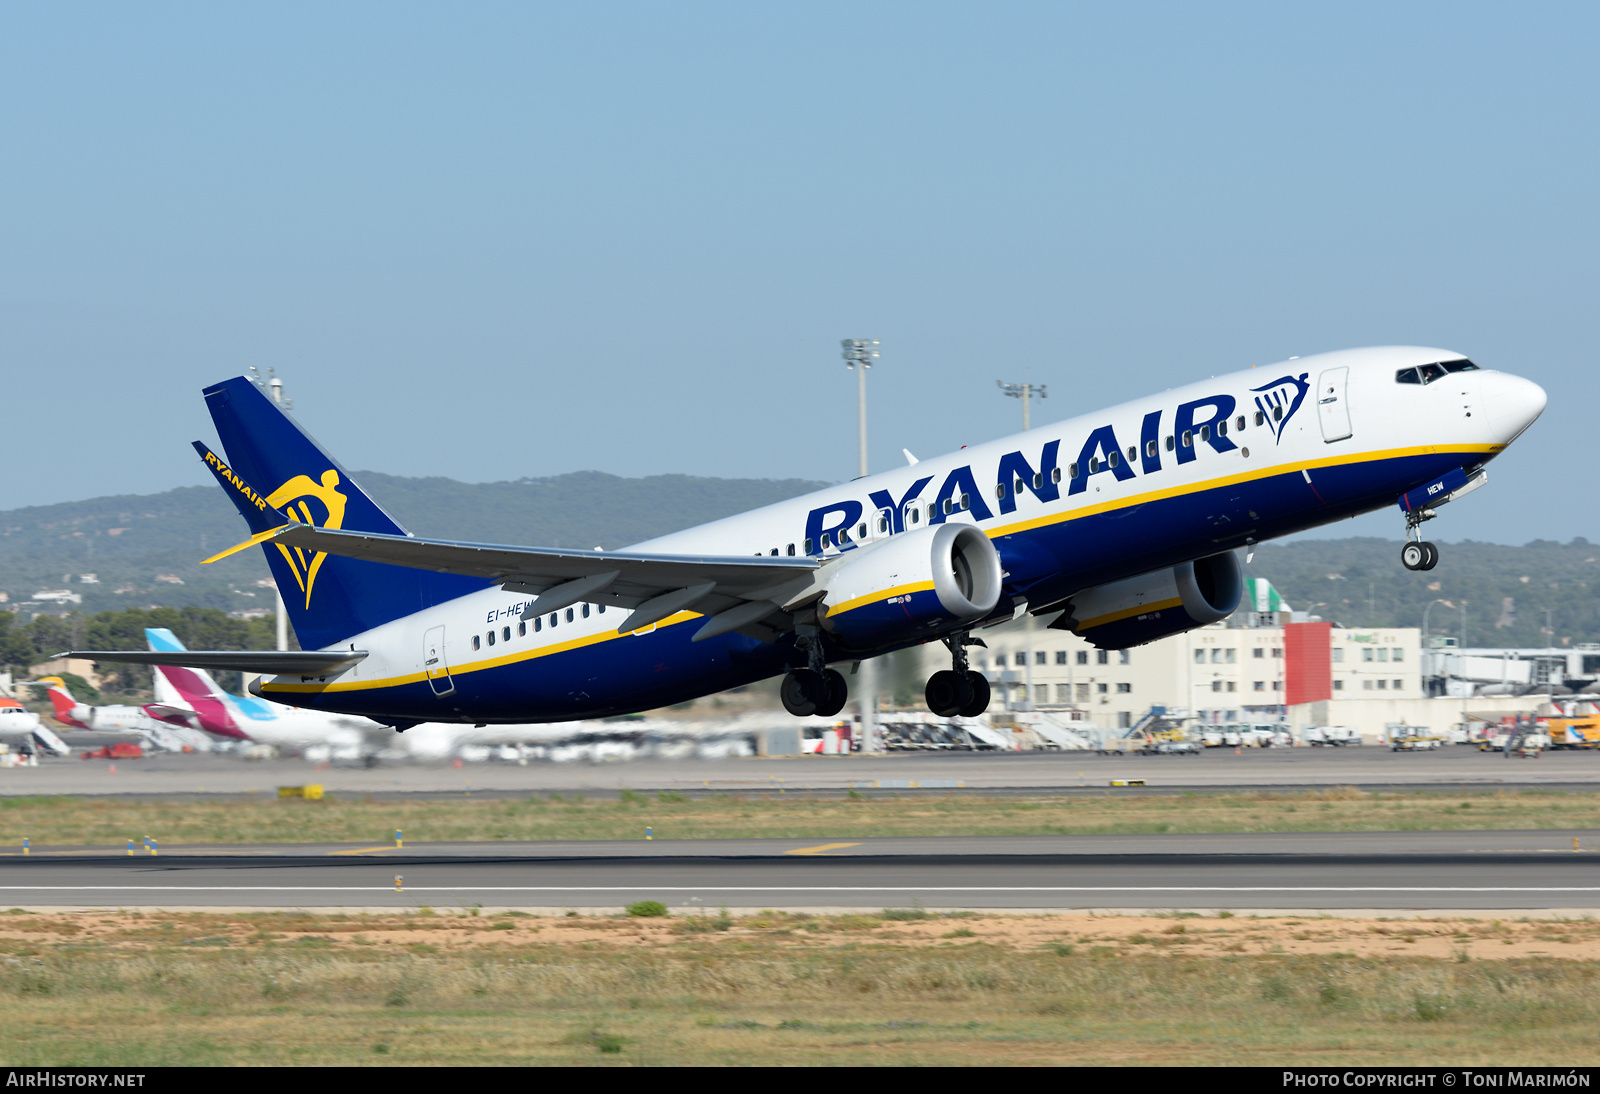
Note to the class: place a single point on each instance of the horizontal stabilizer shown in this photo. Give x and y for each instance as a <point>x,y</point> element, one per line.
<point>265,662</point>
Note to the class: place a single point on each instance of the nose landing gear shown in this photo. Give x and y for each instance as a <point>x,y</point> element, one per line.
<point>1418,553</point>
<point>958,690</point>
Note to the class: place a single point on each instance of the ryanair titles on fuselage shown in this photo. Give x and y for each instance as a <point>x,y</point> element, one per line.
<point>1207,420</point>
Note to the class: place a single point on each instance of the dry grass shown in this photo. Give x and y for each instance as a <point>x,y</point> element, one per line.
<point>120,989</point>
<point>80,822</point>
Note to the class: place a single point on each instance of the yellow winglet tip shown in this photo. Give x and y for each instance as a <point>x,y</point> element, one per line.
<point>259,537</point>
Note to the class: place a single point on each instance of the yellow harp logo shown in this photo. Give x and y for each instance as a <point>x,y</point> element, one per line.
<point>303,500</point>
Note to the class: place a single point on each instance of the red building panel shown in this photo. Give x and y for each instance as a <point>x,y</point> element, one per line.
<point>1308,672</point>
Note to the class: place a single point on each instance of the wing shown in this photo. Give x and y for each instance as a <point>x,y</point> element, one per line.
<point>267,662</point>
<point>754,595</point>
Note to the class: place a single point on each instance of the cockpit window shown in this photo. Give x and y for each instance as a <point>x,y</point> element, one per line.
<point>1427,374</point>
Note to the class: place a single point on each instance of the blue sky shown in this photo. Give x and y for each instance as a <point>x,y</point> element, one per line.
<point>488,241</point>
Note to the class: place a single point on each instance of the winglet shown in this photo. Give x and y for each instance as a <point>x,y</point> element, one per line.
<point>259,537</point>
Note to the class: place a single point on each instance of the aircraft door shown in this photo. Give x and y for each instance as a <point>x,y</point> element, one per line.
<point>434,662</point>
<point>1333,409</point>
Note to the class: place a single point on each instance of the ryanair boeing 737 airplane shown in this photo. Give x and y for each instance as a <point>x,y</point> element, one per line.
<point>1123,524</point>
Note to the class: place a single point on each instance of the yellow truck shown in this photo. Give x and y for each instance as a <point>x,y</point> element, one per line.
<point>1574,732</point>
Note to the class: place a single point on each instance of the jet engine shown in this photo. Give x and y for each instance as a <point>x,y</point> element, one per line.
<point>912,586</point>
<point>1127,613</point>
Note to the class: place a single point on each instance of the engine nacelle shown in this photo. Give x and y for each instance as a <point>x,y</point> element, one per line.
<point>911,586</point>
<point>1127,613</point>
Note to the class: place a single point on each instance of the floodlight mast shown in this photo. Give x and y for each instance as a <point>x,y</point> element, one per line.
<point>1025,392</point>
<point>274,389</point>
<point>859,353</point>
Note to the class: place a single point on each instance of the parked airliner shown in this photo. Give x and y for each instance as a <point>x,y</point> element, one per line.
<point>1123,525</point>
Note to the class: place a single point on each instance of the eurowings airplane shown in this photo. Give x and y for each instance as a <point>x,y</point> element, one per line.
<point>1122,524</point>
<point>197,700</point>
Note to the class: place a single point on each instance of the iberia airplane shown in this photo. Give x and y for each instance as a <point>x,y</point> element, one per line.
<point>1122,524</point>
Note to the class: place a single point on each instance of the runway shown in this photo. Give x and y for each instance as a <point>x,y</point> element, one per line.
<point>1454,768</point>
<point>1453,870</point>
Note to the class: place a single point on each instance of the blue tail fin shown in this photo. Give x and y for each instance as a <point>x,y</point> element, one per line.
<point>329,598</point>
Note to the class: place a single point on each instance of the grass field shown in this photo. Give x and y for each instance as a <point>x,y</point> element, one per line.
<point>80,822</point>
<point>124,989</point>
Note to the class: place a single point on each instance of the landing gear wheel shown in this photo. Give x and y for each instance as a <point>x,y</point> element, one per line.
<point>835,696</point>
<point>980,695</point>
<point>947,693</point>
<point>1414,556</point>
<point>1433,555</point>
<point>800,691</point>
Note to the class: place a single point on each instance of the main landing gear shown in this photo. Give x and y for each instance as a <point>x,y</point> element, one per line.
<point>816,689</point>
<point>1418,553</point>
<point>806,692</point>
<point>958,690</point>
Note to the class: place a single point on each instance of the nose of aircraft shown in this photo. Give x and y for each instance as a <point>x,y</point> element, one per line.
<point>1513,403</point>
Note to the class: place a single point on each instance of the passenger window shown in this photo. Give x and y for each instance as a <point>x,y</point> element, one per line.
<point>602,609</point>
<point>808,546</point>
<point>1113,458</point>
<point>1260,418</point>
<point>966,501</point>
<point>844,536</point>
<point>1021,486</point>
<point>491,638</point>
<point>1188,439</point>
<point>474,641</point>
<point>1277,413</point>
<point>522,630</point>
<point>538,624</point>
<point>791,550</point>
<point>1072,471</point>
<point>505,633</point>
<point>949,507</point>
<point>1094,465</point>
<point>1150,449</point>
<point>586,611</point>
<point>1238,423</point>
<point>1133,453</point>
<point>827,540</point>
<point>1038,481</point>
<point>1000,490</point>
<point>915,514</point>
<point>555,617</point>
<point>1171,444</point>
<point>861,532</point>
<point>774,552</point>
<point>1222,430</point>
<point>1205,433</point>
<point>1055,474</point>
<point>883,525</point>
<point>569,615</point>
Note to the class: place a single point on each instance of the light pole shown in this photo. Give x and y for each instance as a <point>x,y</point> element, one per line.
<point>1025,392</point>
<point>859,353</point>
<point>274,389</point>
